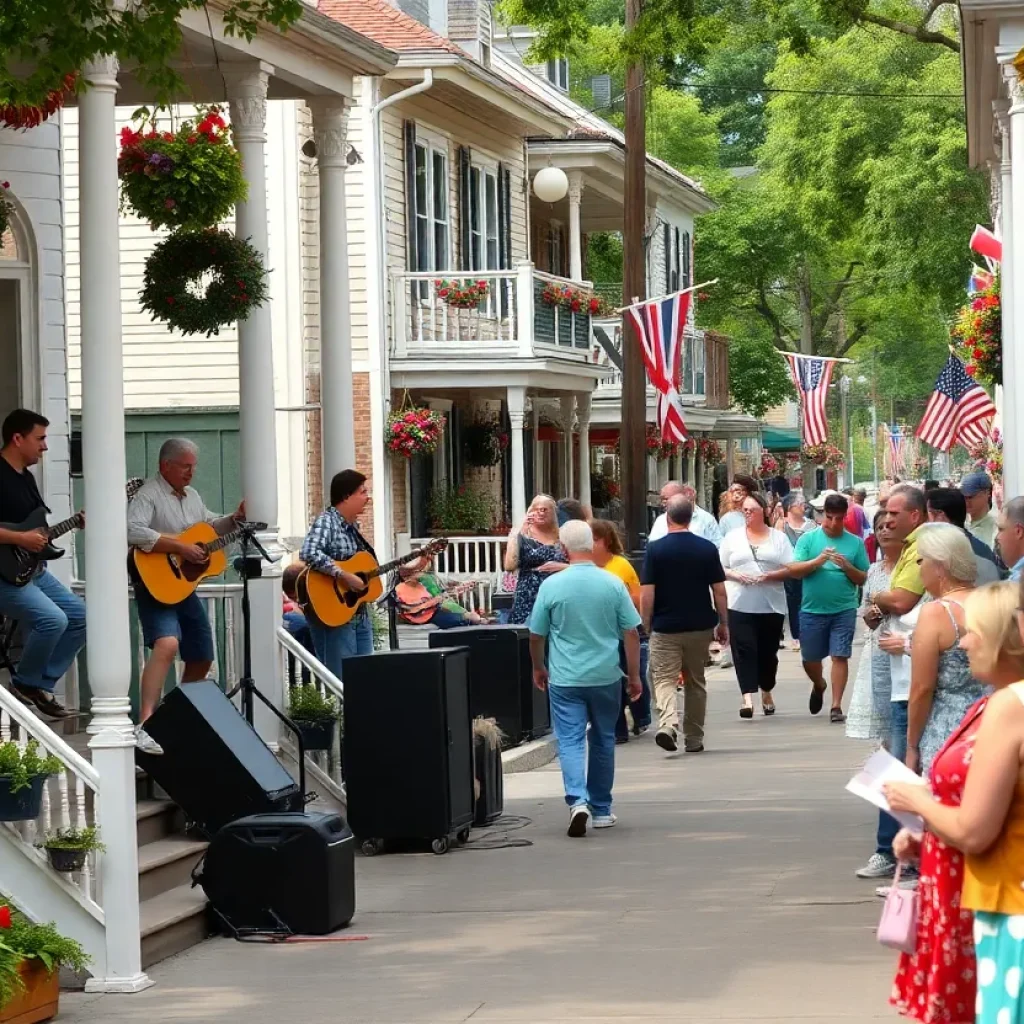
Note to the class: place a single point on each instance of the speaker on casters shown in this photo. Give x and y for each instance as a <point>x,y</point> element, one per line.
<point>408,747</point>
<point>501,678</point>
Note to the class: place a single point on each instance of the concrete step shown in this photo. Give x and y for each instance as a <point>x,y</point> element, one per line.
<point>166,864</point>
<point>173,921</point>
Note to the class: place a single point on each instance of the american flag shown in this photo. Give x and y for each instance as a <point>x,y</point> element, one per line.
<point>660,324</point>
<point>897,450</point>
<point>959,410</point>
<point>812,375</point>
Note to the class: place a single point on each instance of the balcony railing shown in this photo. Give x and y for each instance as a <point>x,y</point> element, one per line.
<point>510,319</point>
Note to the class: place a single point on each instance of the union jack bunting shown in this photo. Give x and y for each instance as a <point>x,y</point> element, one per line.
<point>812,376</point>
<point>660,324</point>
<point>959,411</point>
<point>897,451</point>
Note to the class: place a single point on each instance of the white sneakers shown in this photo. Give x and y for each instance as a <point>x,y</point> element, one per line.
<point>579,819</point>
<point>605,821</point>
<point>146,743</point>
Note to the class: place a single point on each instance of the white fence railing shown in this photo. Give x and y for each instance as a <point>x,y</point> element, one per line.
<point>68,799</point>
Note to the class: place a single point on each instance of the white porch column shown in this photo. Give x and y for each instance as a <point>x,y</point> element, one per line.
<point>567,403</point>
<point>730,458</point>
<point>538,475</point>
<point>1011,147</point>
<point>699,483</point>
<point>108,656</point>
<point>575,232</point>
<point>691,470</point>
<point>516,400</point>
<point>583,399</point>
<point>330,117</point>
<point>247,93</point>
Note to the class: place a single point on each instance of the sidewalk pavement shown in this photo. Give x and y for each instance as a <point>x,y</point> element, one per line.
<point>725,894</point>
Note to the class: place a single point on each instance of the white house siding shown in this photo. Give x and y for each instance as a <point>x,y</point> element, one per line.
<point>30,162</point>
<point>675,216</point>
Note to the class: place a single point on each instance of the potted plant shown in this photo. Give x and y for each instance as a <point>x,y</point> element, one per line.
<point>67,848</point>
<point>461,511</point>
<point>315,714</point>
<point>22,775</point>
<point>462,296</point>
<point>31,956</point>
<point>483,441</point>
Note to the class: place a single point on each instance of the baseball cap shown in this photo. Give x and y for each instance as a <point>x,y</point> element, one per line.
<point>975,482</point>
<point>818,503</point>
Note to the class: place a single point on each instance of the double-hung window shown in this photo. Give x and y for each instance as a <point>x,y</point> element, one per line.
<point>484,251</point>
<point>430,232</point>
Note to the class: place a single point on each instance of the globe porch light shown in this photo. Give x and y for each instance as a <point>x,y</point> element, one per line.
<point>550,184</point>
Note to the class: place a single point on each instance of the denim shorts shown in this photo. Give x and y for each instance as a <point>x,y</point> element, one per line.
<point>823,636</point>
<point>186,622</point>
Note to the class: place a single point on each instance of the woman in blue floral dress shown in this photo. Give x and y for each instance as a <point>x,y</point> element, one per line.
<point>535,552</point>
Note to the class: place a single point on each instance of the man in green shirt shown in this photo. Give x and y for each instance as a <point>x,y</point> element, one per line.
<point>833,564</point>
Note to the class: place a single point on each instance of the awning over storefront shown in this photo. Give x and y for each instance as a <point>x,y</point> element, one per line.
<point>780,439</point>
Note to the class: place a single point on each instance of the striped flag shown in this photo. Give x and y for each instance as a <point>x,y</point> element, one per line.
<point>812,376</point>
<point>660,324</point>
<point>980,280</point>
<point>897,454</point>
<point>959,411</point>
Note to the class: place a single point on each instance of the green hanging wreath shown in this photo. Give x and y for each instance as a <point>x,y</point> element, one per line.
<point>199,282</point>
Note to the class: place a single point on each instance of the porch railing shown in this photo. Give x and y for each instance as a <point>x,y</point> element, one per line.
<point>480,560</point>
<point>435,314</point>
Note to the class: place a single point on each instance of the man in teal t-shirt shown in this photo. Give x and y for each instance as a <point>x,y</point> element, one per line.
<point>833,564</point>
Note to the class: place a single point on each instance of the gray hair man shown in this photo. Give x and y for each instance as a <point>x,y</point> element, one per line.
<point>580,616</point>
<point>165,507</point>
<point>703,524</point>
<point>1010,536</point>
<point>681,577</point>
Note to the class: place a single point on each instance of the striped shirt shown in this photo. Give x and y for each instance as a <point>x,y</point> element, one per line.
<point>159,510</point>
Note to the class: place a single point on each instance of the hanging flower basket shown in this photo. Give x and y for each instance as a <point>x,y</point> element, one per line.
<point>462,296</point>
<point>199,282</point>
<point>656,447</point>
<point>189,178</point>
<point>825,454</point>
<point>988,456</point>
<point>769,466</point>
<point>484,442</point>
<point>6,206</point>
<point>24,116</point>
<point>413,430</point>
<point>710,451</point>
<point>576,300</point>
<point>977,332</point>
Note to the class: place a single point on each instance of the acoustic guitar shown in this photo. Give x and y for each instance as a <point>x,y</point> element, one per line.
<point>332,603</point>
<point>169,578</point>
<point>416,604</point>
<point>18,566</point>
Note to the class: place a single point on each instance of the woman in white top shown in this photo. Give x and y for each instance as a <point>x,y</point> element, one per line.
<point>756,562</point>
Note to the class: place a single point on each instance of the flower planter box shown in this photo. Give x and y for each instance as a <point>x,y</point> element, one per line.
<point>317,735</point>
<point>66,860</point>
<point>39,1000</point>
<point>24,805</point>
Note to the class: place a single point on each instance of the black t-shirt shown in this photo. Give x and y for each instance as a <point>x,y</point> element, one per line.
<point>682,567</point>
<point>19,495</point>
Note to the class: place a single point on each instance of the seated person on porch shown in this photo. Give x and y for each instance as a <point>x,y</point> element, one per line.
<point>424,599</point>
<point>292,616</point>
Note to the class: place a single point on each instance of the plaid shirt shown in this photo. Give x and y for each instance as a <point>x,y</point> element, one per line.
<point>331,539</point>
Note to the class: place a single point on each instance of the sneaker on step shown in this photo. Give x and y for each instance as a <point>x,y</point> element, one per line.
<point>605,820</point>
<point>879,865</point>
<point>667,739</point>
<point>579,819</point>
<point>146,743</point>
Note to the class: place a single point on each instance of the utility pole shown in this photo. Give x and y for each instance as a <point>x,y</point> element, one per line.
<point>844,413</point>
<point>632,445</point>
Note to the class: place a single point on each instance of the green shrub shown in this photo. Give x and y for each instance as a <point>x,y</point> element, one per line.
<point>87,839</point>
<point>22,766</point>
<point>308,704</point>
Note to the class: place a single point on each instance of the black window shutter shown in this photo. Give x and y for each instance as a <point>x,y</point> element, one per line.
<point>410,194</point>
<point>667,230</point>
<point>504,230</point>
<point>465,259</point>
<point>687,269</point>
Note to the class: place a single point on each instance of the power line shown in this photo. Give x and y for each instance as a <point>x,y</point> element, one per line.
<point>824,92</point>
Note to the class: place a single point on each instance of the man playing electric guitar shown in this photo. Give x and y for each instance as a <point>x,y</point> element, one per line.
<point>165,506</point>
<point>335,537</point>
<point>52,618</point>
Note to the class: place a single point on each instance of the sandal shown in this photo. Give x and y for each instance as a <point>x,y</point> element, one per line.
<point>836,716</point>
<point>768,707</point>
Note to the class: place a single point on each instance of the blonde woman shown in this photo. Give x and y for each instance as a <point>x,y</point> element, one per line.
<point>975,805</point>
<point>535,551</point>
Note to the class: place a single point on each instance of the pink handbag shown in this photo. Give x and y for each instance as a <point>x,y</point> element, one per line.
<point>898,926</point>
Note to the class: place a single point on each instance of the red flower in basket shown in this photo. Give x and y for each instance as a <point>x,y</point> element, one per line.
<point>971,369</point>
<point>5,917</point>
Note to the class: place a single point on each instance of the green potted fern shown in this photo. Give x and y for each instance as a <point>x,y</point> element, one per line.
<point>67,848</point>
<point>22,775</point>
<point>315,714</point>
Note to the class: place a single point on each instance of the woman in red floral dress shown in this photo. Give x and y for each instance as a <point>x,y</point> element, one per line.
<point>937,984</point>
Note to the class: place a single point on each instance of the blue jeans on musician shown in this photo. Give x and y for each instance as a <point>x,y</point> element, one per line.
<point>185,621</point>
<point>335,643</point>
<point>52,623</point>
<point>587,775</point>
<point>641,707</point>
<point>888,826</point>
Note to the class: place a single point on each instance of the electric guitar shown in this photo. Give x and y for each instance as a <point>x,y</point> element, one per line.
<point>332,603</point>
<point>168,577</point>
<point>416,608</point>
<point>18,565</point>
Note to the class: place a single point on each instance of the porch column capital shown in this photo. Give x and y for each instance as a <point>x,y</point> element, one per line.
<point>101,72</point>
<point>583,404</point>
<point>330,130</point>
<point>575,187</point>
<point>247,95</point>
<point>1014,89</point>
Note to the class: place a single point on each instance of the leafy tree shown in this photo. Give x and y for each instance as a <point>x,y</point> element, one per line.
<point>934,22</point>
<point>55,38</point>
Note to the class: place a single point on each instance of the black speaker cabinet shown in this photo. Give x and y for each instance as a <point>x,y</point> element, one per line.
<point>214,765</point>
<point>408,746</point>
<point>295,869</point>
<point>490,782</point>
<point>501,678</point>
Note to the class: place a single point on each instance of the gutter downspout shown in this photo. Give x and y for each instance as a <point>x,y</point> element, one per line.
<point>377,310</point>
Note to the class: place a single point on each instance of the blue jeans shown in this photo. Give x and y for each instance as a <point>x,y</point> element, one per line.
<point>298,627</point>
<point>52,622</point>
<point>641,707</point>
<point>444,618</point>
<point>335,643</point>
<point>587,777</point>
<point>888,826</point>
